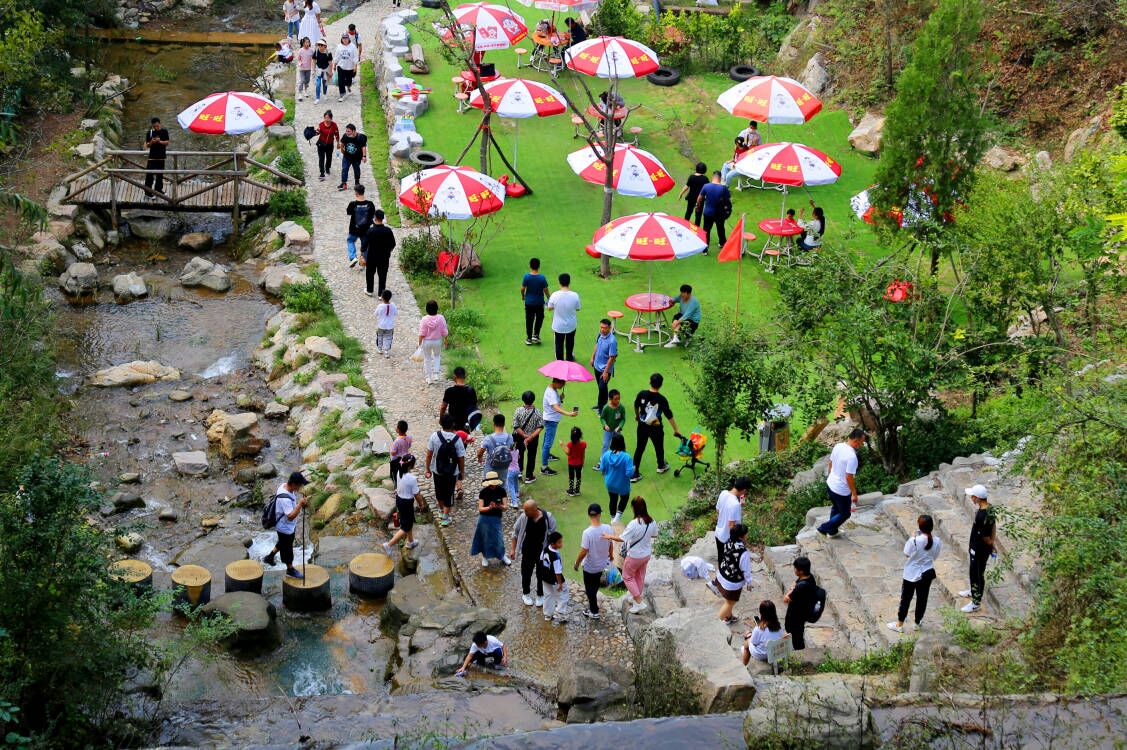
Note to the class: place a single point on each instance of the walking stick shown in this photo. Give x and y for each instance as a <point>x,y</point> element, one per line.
<point>303,555</point>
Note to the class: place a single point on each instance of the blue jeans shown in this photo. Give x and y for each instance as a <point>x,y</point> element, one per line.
<point>549,438</point>
<point>347,163</point>
<point>728,173</point>
<point>607,435</point>
<point>351,242</point>
<point>292,29</point>
<point>840,513</point>
<point>321,83</point>
<point>512,486</point>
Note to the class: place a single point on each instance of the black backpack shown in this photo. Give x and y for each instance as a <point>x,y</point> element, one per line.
<point>362,217</point>
<point>500,459</point>
<point>546,564</point>
<point>270,510</point>
<point>446,457</point>
<point>818,606</point>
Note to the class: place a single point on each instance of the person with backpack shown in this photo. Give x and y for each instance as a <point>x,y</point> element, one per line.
<point>496,451</point>
<point>460,402</point>
<point>649,408</point>
<point>487,539</point>
<point>530,533</point>
<point>576,451</point>
<point>527,426</point>
<point>377,253</point>
<point>446,465</point>
<point>637,546</point>
<point>805,603</point>
<point>281,514</point>
<point>549,574</point>
<point>921,549</point>
<point>361,212</point>
<point>982,533</point>
<point>733,573</point>
<point>408,496</point>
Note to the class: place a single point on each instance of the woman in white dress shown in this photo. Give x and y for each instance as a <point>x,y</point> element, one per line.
<point>311,22</point>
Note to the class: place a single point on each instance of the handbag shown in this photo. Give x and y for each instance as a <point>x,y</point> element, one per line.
<point>418,355</point>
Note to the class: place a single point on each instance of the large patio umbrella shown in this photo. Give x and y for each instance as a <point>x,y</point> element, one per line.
<point>788,164</point>
<point>611,57</point>
<point>771,99</point>
<point>452,192</point>
<point>919,207</point>
<point>563,6</point>
<point>636,172</point>
<point>492,27</point>
<point>649,236</point>
<point>230,113</point>
<point>518,98</point>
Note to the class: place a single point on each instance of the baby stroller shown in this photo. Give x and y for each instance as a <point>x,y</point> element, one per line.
<point>690,451</point>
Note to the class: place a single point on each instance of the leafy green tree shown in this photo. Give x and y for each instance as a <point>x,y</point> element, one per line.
<point>735,379</point>
<point>934,131</point>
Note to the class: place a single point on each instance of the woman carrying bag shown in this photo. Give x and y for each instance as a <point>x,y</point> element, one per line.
<point>637,546</point>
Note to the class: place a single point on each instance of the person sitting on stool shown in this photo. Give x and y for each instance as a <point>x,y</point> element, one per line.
<point>812,229</point>
<point>687,318</point>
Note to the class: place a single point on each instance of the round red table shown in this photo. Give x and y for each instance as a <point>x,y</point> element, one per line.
<point>620,113</point>
<point>650,326</point>
<point>780,236</point>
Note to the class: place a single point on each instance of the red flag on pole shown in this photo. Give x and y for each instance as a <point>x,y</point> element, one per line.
<point>733,248</point>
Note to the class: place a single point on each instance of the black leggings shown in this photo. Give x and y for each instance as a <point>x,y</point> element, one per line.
<point>920,588</point>
<point>691,208</point>
<point>324,158</point>
<point>533,320</point>
<point>617,502</point>
<point>591,583</point>
<point>574,474</point>
<point>528,562</point>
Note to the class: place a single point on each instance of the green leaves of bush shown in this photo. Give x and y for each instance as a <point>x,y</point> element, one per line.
<point>289,204</point>
<point>311,297</point>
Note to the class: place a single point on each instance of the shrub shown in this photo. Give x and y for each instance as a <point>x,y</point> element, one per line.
<point>892,659</point>
<point>418,253</point>
<point>289,204</point>
<point>464,323</point>
<point>488,381</point>
<point>289,161</point>
<point>313,296</point>
<point>617,18</point>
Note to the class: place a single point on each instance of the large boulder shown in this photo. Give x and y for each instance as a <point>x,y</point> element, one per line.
<point>236,434</point>
<point>815,76</point>
<point>202,272</point>
<point>821,712</point>
<point>866,137</point>
<point>128,287</point>
<point>1080,138</point>
<point>589,691</point>
<point>1002,159</point>
<point>334,551</point>
<point>293,234</point>
<point>149,225</point>
<point>190,463</point>
<point>409,597</point>
<point>319,346</point>
<point>254,618</point>
<point>274,277</point>
<point>697,643</point>
<point>134,373</point>
<point>196,242</point>
<point>79,278</point>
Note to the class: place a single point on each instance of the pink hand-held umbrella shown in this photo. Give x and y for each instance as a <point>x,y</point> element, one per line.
<point>569,372</point>
<point>230,113</point>
<point>636,172</point>
<point>452,192</point>
<point>492,27</point>
<point>518,98</point>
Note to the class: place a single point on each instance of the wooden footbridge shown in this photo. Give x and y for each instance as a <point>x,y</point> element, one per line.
<point>194,181</point>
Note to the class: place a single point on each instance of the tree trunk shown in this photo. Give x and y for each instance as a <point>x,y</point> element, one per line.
<point>608,177</point>
<point>483,147</point>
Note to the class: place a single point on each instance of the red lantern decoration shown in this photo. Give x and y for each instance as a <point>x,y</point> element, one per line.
<point>898,291</point>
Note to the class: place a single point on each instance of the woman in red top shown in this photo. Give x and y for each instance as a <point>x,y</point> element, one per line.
<point>328,136</point>
<point>728,171</point>
<point>576,451</point>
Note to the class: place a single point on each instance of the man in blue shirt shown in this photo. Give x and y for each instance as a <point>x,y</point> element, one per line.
<point>534,293</point>
<point>716,200</point>
<point>602,360</point>
<point>687,318</point>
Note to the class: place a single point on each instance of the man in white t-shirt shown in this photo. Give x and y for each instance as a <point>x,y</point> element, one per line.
<point>287,507</point>
<point>840,486</point>
<point>565,305</point>
<point>729,511</point>
<point>483,649</point>
<point>552,405</point>
<point>594,556</point>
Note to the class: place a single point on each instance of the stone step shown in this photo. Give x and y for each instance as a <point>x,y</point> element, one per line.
<point>843,628</point>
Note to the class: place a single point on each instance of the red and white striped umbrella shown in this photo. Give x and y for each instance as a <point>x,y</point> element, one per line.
<point>518,98</point>
<point>230,113</point>
<point>452,192</point>
<point>636,172</point>
<point>611,57</point>
<point>563,6</point>
<point>649,236</point>
<point>496,26</point>
<point>781,101</point>
<point>788,164</point>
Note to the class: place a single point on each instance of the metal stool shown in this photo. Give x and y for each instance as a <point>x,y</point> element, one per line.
<point>555,65</point>
<point>577,121</point>
<point>639,331</point>
<point>635,131</point>
<point>614,316</point>
<point>521,51</point>
<point>771,254</point>
<point>463,101</point>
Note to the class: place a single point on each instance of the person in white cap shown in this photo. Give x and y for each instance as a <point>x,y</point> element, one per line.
<point>981,545</point>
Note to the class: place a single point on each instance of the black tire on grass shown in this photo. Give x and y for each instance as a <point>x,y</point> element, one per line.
<point>427,159</point>
<point>743,72</point>
<point>431,4</point>
<point>664,76</point>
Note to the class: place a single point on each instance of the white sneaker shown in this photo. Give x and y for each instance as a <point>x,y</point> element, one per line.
<point>507,560</point>
<point>713,589</point>
<point>485,562</point>
<point>340,98</point>
<point>527,599</point>
<point>547,618</point>
<point>673,342</point>
<point>411,545</point>
<point>895,628</point>
<point>971,607</point>
<point>387,548</point>
<point>539,601</point>
<point>965,593</point>
<point>616,518</point>
<point>638,607</point>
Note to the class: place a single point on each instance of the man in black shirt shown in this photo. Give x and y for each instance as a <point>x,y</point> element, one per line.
<point>156,141</point>
<point>353,150</point>
<point>361,213</point>
<point>460,402</point>
<point>981,546</point>
<point>649,407</point>
<point>377,252</point>
<point>800,602</point>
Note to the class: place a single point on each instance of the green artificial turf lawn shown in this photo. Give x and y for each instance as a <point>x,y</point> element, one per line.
<point>682,124</point>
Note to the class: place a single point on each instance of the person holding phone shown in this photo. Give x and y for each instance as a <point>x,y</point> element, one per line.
<point>156,141</point>
<point>487,539</point>
<point>767,628</point>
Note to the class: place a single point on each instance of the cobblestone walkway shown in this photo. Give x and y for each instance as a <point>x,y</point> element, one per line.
<point>399,389</point>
